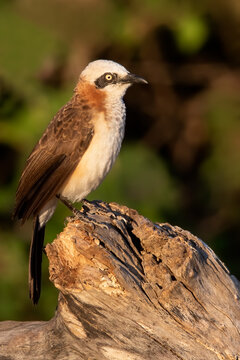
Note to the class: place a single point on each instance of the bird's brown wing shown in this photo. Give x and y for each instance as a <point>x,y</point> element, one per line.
<point>53,159</point>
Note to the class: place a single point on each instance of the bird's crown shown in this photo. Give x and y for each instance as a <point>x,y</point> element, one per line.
<point>95,69</point>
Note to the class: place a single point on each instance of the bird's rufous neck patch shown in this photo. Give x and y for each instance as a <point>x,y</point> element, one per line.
<point>95,97</point>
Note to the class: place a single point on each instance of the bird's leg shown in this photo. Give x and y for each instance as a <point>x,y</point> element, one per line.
<point>76,212</point>
<point>68,205</point>
<point>80,215</point>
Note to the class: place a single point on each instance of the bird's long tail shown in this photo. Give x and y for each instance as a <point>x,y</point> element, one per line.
<point>35,260</point>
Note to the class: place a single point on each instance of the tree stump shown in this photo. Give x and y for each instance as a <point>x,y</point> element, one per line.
<point>131,289</point>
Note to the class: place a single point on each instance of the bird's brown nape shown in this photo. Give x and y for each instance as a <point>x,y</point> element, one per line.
<point>96,98</point>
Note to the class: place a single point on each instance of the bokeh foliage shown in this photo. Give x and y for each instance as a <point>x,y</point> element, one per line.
<point>180,160</point>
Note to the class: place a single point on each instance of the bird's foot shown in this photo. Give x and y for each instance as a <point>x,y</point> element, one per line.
<point>79,215</point>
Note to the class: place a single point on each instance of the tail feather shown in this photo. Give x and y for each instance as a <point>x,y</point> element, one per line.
<point>35,261</point>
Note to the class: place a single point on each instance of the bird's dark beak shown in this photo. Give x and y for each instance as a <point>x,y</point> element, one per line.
<point>132,79</point>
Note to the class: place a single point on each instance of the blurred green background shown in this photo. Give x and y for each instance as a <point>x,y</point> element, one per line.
<point>180,161</point>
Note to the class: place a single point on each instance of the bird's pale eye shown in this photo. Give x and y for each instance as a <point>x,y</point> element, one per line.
<point>108,77</point>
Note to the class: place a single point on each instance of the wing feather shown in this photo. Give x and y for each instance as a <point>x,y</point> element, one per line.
<point>53,159</point>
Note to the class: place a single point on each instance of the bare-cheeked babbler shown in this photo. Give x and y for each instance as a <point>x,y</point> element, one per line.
<point>75,152</point>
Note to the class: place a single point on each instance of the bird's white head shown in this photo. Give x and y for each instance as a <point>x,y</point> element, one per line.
<point>110,76</point>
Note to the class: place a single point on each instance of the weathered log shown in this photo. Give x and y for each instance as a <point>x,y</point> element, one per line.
<point>131,289</point>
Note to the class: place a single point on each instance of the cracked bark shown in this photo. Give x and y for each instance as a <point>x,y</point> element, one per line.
<point>131,289</point>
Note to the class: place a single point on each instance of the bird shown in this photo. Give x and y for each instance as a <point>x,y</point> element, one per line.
<point>74,154</point>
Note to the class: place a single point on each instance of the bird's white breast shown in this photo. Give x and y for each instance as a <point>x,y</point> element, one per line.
<point>99,156</point>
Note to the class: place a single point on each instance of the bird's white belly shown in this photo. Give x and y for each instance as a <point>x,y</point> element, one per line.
<point>96,161</point>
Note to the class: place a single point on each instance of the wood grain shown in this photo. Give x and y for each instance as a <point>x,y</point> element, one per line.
<point>131,289</point>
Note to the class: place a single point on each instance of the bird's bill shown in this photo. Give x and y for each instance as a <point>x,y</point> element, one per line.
<point>133,79</point>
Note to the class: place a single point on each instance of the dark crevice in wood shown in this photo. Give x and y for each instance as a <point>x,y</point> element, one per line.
<point>129,245</point>
<point>193,295</point>
<point>135,239</point>
<point>167,229</point>
<point>133,271</point>
<point>157,260</point>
